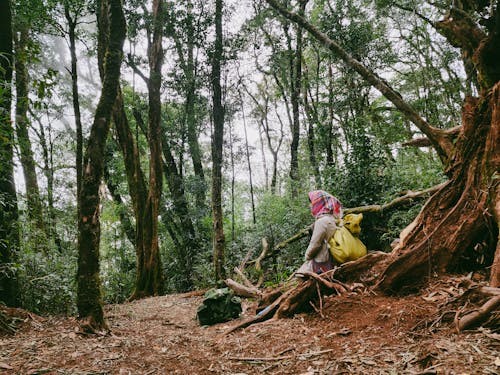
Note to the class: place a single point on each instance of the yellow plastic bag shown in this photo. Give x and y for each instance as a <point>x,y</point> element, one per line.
<point>344,246</point>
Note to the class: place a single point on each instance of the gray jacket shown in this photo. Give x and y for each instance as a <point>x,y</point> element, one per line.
<point>324,229</point>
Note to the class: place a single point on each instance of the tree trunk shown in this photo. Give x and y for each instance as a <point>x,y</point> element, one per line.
<point>247,152</point>
<point>330,138</point>
<point>461,214</point>
<point>312,122</point>
<point>183,233</point>
<point>76,98</point>
<point>89,299</point>
<point>149,278</point>
<point>126,225</point>
<point>48,170</point>
<point>217,144</point>
<point>464,212</point>
<point>34,203</point>
<point>192,133</point>
<point>296,85</point>
<point>189,66</point>
<point>9,226</point>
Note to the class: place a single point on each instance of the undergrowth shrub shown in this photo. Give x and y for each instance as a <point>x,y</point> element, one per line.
<point>47,282</point>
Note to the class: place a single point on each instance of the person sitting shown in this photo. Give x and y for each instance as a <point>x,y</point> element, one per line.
<point>326,209</point>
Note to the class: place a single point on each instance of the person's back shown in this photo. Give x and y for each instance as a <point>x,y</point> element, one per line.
<point>326,209</point>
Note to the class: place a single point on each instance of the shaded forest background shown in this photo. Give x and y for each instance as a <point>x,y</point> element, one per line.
<point>221,95</point>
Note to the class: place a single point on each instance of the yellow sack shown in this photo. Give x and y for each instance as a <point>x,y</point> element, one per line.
<point>345,247</point>
<point>353,223</point>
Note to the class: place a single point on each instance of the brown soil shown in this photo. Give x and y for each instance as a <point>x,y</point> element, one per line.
<point>358,333</point>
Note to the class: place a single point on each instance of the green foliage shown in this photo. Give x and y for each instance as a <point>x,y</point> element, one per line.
<point>278,219</point>
<point>47,282</point>
<point>117,257</point>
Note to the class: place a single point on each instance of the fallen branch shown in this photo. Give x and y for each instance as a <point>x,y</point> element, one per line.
<point>395,202</point>
<point>258,266</point>
<point>249,253</point>
<point>245,280</point>
<point>242,290</point>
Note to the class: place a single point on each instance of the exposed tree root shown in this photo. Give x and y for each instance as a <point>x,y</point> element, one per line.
<point>88,326</point>
<point>294,300</point>
<point>477,317</point>
<point>476,306</point>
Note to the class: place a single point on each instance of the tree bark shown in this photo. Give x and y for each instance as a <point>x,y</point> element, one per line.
<point>126,225</point>
<point>89,299</point>
<point>295,85</point>
<point>9,225</point>
<point>217,144</point>
<point>312,122</point>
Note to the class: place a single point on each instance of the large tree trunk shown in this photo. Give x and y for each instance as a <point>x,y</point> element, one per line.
<point>149,278</point>
<point>217,143</point>
<point>180,226</point>
<point>459,216</point>
<point>464,212</point>
<point>89,299</point>
<point>9,226</point>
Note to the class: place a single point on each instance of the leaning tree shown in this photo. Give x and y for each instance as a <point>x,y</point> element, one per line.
<point>464,213</point>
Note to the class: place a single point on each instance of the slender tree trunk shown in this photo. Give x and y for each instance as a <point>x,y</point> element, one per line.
<point>190,243</point>
<point>48,170</point>
<point>9,225</point>
<point>217,144</point>
<point>192,132</point>
<point>233,182</point>
<point>34,202</point>
<point>135,176</point>
<point>312,121</point>
<point>126,225</point>
<point>76,99</point>
<point>247,150</point>
<point>296,85</point>
<point>89,299</point>
<point>189,65</point>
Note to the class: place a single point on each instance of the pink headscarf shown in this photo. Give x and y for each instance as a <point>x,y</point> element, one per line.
<point>324,203</point>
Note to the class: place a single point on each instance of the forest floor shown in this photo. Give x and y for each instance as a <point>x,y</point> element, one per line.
<point>356,333</point>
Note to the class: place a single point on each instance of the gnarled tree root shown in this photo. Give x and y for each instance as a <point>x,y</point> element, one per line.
<point>294,300</point>
<point>477,317</point>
